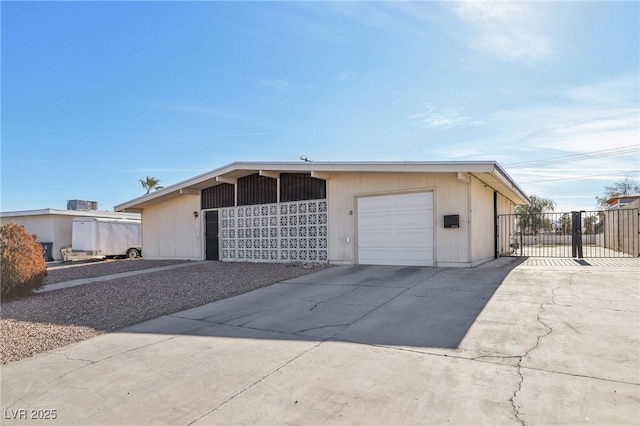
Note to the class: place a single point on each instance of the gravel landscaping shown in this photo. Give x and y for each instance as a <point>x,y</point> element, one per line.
<point>60,272</point>
<point>46,321</point>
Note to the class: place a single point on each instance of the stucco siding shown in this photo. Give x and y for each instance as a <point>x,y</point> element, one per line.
<point>62,233</point>
<point>170,231</point>
<point>505,206</point>
<point>450,194</point>
<point>482,222</point>
<point>42,226</point>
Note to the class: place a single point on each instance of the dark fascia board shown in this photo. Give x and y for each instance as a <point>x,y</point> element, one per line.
<point>340,166</point>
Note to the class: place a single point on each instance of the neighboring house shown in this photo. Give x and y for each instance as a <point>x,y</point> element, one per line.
<point>621,225</point>
<point>387,213</point>
<point>54,226</point>
<point>622,202</point>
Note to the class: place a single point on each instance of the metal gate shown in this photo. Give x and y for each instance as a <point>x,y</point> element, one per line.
<point>578,234</point>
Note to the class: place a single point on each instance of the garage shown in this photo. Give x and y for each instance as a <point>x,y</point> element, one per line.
<point>396,229</point>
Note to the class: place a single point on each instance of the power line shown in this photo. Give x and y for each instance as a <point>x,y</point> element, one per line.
<point>577,157</point>
<point>627,172</point>
<point>579,191</point>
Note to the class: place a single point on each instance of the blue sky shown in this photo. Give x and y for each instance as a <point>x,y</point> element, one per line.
<point>96,95</point>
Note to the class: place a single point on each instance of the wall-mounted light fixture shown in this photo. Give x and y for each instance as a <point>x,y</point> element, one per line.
<point>195,214</point>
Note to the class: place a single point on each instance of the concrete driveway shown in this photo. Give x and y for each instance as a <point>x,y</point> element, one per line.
<point>502,344</point>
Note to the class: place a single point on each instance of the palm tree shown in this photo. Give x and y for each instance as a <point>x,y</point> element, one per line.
<point>565,223</point>
<point>150,183</point>
<point>590,224</point>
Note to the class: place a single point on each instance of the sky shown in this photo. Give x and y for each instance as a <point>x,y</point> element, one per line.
<point>97,95</point>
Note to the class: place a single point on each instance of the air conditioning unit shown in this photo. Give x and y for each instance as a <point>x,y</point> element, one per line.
<point>82,205</point>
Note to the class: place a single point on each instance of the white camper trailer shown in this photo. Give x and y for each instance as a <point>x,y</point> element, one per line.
<point>99,238</point>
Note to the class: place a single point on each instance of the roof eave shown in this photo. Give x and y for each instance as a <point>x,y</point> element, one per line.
<point>137,204</point>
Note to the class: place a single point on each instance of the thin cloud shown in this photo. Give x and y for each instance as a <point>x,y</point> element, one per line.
<point>509,31</point>
<point>275,84</point>
<point>623,89</point>
<point>345,75</point>
<point>587,118</point>
<point>234,135</point>
<point>409,17</point>
<point>200,110</point>
<point>211,112</point>
<point>163,170</point>
<point>435,117</point>
<point>582,122</point>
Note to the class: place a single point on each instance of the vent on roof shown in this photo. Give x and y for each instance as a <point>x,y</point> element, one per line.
<point>82,205</point>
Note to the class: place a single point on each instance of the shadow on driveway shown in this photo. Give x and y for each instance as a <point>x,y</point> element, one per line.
<point>377,305</point>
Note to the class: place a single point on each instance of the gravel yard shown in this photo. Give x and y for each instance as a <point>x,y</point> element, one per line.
<point>61,272</point>
<point>50,320</point>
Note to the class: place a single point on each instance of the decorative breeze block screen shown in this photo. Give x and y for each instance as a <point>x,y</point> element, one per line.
<point>285,232</point>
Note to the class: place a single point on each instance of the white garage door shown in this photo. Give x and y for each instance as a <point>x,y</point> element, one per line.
<point>396,229</point>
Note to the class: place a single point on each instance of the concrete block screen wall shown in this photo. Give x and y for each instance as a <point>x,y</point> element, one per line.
<point>285,232</point>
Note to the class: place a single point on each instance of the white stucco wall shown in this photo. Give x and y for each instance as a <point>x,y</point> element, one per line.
<point>62,234</point>
<point>169,230</point>
<point>43,227</point>
<point>451,197</point>
<point>482,222</point>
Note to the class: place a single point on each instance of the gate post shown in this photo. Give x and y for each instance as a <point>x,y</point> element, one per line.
<point>576,234</point>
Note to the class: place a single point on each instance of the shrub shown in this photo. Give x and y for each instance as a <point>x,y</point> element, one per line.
<point>22,265</point>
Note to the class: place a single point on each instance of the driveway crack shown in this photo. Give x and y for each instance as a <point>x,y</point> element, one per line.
<point>74,359</point>
<point>548,332</point>
<point>323,326</point>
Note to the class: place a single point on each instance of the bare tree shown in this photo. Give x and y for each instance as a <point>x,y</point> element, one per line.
<point>619,189</point>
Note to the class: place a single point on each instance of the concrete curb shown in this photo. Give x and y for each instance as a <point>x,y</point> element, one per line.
<point>83,281</point>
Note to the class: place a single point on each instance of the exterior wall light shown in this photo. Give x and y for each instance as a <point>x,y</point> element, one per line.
<point>195,215</point>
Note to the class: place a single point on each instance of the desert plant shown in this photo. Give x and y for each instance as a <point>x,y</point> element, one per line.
<point>22,266</point>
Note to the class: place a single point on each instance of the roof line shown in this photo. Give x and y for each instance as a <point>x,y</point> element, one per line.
<point>240,165</point>
<point>513,182</point>
<point>85,213</point>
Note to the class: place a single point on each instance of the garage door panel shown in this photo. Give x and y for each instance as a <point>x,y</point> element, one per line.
<point>412,255</point>
<point>407,239</point>
<point>410,201</point>
<point>377,238</point>
<point>377,220</point>
<point>375,257</point>
<point>399,258</point>
<point>373,203</point>
<point>396,229</point>
<point>414,220</point>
